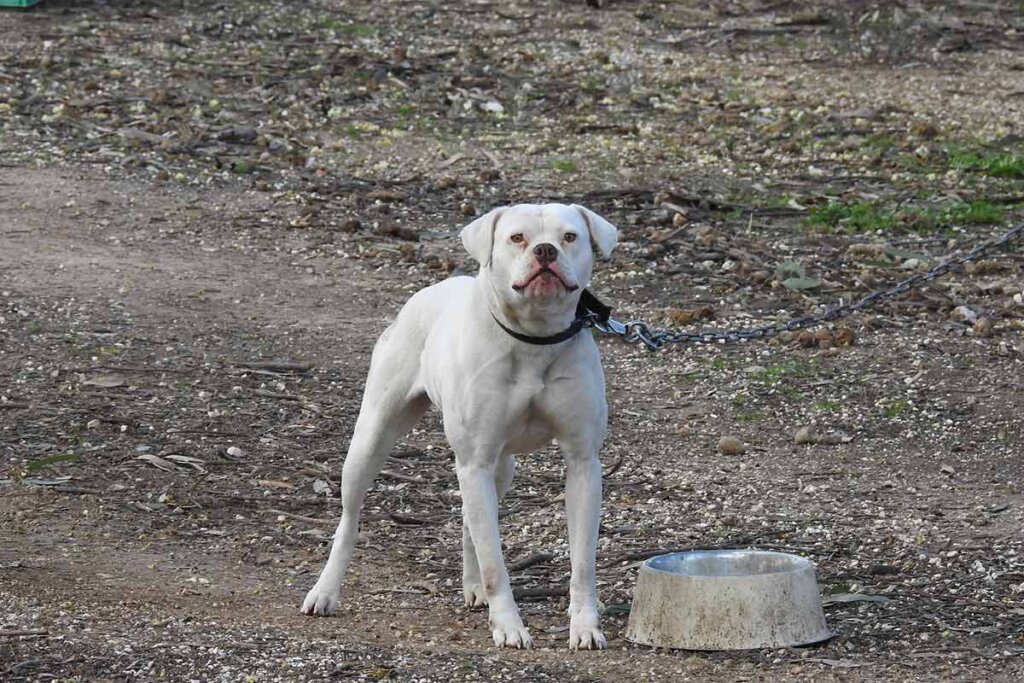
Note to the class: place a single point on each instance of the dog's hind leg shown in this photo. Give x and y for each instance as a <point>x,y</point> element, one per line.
<point>390,408</point>
<point>472,587</point>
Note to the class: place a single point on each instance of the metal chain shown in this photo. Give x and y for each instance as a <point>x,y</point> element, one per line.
<point>638,331</point>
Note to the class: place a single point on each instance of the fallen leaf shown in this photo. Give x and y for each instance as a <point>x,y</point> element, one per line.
<point>801,283</point>
<point>196,463</point>
<point>105,381</point>
<point>157,461</point>
<point>56,481</point>
<point>275,484</point>
<point>838,598</point>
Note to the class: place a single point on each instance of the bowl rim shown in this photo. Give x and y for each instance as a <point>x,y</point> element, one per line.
<point>799,563</point>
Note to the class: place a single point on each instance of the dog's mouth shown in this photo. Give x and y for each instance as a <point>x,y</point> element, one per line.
<point>547,276</point>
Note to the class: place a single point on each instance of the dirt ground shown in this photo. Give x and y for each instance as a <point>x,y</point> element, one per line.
<point>208,213</point>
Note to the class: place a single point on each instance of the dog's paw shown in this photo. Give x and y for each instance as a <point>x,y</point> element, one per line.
<point>517,637</point>
<point>474,595</point>
<point>320,602</point>
<point>509,631</point>
<point>585,633</point>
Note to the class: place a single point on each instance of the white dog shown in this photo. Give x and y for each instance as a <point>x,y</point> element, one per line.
<point>498,354</point>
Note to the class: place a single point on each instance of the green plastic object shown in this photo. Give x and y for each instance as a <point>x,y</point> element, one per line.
<point>18,3</point>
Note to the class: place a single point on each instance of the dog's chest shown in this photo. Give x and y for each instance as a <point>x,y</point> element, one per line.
<point>529,388</point>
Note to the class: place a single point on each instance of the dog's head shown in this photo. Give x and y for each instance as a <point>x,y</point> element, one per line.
<point>539,255</point>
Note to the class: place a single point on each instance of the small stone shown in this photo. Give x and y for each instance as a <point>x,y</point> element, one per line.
<point>947,470</point>
<point>235,452</point>
<point>924,129</point>
<point>729,445</point>
<point>804,435</point>
<point>963,314</point>
<point>350,225</point>
<point>467,209</point>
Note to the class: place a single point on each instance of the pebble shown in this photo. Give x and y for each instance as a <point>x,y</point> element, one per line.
<point>963,314</point>
<point>804,435</point>
<point>730,445</point>
<point>808,435</point>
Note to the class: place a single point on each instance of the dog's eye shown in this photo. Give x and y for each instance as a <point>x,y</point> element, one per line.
<point>517,238</point>
<point>570,237</point>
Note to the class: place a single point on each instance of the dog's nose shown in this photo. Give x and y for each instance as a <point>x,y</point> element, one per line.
<point>545,253</point>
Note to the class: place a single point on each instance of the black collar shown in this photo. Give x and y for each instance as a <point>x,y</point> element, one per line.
<point>588,311</point>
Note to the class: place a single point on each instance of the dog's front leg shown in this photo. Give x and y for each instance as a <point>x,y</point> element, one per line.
<point>480,503</point>
<point>583,514</point>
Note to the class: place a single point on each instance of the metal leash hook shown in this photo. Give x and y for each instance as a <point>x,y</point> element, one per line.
<point>638,331</point>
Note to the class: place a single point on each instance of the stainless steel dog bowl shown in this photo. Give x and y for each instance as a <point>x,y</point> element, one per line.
<point>727,600</point>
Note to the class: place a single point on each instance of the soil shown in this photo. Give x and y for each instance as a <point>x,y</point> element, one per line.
<point>208,214</point>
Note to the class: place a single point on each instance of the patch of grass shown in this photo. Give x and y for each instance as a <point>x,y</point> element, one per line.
<point>895,409</point>
<point>826,406</point>
<point>106,350</point>
<point>361,30</point>
<point>996,164</point>
<point>750,417</point>
<point>792,393</point>
<point>851,218</point>
<point>862,217</point>
<point>773,374</point>
<point>880,143</point>
<point>977,212</point>
<point>563,165</point>
<point>37,465</point>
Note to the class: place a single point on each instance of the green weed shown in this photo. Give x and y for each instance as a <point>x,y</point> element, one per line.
<point>773,374</point>
<point>862,217</point>
<point>361,30</point>
<point>973,213</point>
<point>997,164</point>
<point>37,465</point>
<point>895,409</point>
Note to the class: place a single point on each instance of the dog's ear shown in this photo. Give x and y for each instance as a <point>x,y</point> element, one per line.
<point>602,233</point>
<point>478,236</point>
